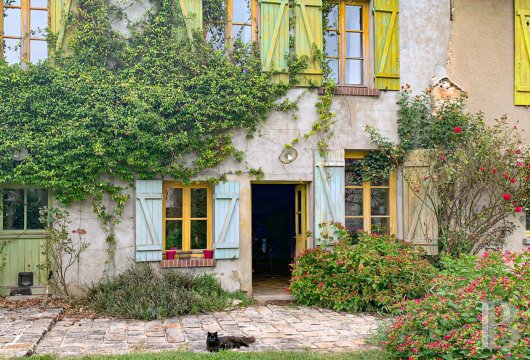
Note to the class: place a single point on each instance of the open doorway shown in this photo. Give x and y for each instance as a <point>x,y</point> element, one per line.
<point>278,233</point>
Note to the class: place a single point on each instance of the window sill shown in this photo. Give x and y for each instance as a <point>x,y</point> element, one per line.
<point>188,263</point>
<point>352,91</point>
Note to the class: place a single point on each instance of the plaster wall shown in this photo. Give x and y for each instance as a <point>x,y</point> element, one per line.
<point>481,62</point>
<point>424,41</point>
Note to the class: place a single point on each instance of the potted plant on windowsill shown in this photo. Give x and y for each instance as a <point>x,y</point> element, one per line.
<point>170,254</point>
<point>208,254</point>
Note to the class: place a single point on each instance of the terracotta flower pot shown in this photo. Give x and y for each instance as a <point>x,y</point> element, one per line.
<point>208,254</point>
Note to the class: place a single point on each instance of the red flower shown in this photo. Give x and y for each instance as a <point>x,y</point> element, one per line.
<point>458,129</point>
<point>518,209</point>
<point>507,197</point>
<point>517,151</point>
<point>494,171</point>
<point>506,176</point>
<point>320,284</point>
<point>512,180</point>
<point>482,169</point>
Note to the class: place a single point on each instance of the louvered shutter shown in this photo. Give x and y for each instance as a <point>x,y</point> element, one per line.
<point>386,33</point>
<point>191,11</point>
<point>329,192</point>
<point>274,35</point>
<point>419,219</point>
<point>59,12</point>
<point>148,220</point>
<point>522,52</point>
<point>308,37</point>
<point>226,212</point>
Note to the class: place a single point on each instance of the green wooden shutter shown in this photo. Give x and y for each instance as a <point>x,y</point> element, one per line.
<point>148,220</point>
<point>59,11</point>
<point>522,52</point>
<point>226,210</point>
<point>274,34</point>
<point>420,225</point>
<point>386,33</point>
<point>329,192</point>
<point>308,37</point>
<point>191,11</point>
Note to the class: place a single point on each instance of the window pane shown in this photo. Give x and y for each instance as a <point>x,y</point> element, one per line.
<point>380,181</point>
<point>381,225</point>
<point>199,204</point>
<point>353,225</point>
<point>354,72</point>
<point>354,202</point>
<point>241,11</point>
<point>12,20</point>
<point>354,174</point>
<point>37,199</point>
<point>174,234</point>
<point>334,65</point>
<point>173,203</point>
<point>353,17</point>
<point>39,3</point>
<point>380,201</point>
<point>242,32</point>
<point>12,51</point>
<point>12,2</point>
<point>38,23</point>
<point>198,234</point>
<point>332,43</point>
<point>13,209</point>
<point>354,45</point>
<point>38,50</point>
<point>333,17</point>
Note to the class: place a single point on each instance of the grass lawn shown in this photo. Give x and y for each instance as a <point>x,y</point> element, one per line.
<point>280,355</point>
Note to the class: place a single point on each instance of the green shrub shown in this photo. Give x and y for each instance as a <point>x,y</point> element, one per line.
<point>143,293</point>
<point>372,275</point>
<point>448,322</point>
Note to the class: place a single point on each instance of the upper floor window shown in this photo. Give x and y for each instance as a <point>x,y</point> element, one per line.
<point>20,208</point>
<point>346,39</point>
<point>242,22</point>
<point>23,30</point>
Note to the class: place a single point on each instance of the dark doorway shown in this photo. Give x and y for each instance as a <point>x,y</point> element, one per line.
<point>273,230</point>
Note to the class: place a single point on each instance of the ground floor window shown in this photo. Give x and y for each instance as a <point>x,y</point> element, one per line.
<point>20,208</point>
<point>187,217</point>
<point>369,205</point>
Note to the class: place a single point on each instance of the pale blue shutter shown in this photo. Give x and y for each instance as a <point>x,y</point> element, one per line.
<point>329,191</point>
<point>148,220</point>
<point>226,210</point>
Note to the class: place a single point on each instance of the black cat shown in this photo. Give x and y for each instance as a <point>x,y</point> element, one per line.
<point>214,343</point>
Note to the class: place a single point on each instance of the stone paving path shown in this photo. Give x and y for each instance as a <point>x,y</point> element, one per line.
<point>22,329</point>
<point>274,327</point>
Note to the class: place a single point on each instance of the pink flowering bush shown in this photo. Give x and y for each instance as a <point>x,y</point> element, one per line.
<point>372,275</point>
<point>447,323</point>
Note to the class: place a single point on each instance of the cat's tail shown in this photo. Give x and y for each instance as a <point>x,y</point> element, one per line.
<point>248,340</point>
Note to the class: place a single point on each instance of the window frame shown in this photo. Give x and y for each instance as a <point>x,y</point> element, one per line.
<point>253,20</point>
<point>25,21</point>
<point>25,230</point>
<point>341,38</point>
<point>186,216</point>
<point>367,206</point>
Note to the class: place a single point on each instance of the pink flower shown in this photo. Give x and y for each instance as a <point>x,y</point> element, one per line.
<point>507,197</point>
<point>320,284</point>
<point>458,129</point>
<point>517,151</point>
<point>518,209</point>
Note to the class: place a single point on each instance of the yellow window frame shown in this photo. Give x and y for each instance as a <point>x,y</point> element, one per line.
<point>25,32</point>
<point>367,206</point>
<point>341,35</point>
<point>186,216</point>
<point>253,20</point>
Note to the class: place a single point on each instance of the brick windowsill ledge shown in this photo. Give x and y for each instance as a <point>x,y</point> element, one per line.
<point>190,263</point>
<point>352,91</point>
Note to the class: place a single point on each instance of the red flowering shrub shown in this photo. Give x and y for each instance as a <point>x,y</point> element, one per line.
<point>447,323</point>
<point>372,275</point>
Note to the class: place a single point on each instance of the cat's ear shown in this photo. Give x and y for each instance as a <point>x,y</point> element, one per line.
<point>209,333</point>
<point>215,333</point>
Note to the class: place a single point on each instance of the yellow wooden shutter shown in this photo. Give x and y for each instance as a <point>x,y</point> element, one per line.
<point>386,33</point>
<point>274,33</point>
<point>522,52</point>
<point>419,219</point>
<point>308,32</point>
<point>59,11</point>
<point>192,15</point>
